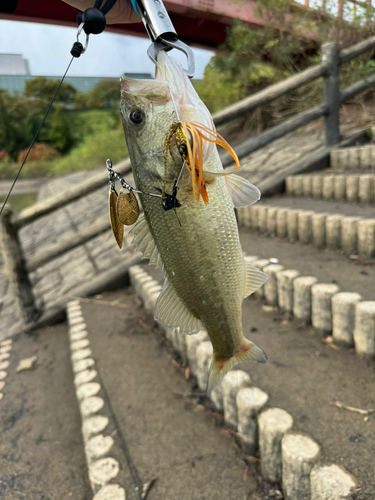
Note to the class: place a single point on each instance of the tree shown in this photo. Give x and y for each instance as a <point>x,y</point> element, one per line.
<point>103,95</point>
<point>45,88</point>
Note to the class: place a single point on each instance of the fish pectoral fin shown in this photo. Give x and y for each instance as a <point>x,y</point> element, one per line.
<point>145,243</point>
<point>171,312</point>
<point>242,192</point>
<point>254,279</point>
<point>220,367</point>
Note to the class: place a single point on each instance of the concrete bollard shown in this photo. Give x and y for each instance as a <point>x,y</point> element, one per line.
<point>254,210</point>
<point>306,186</point>
<point>339,188</point>
<point>334,159</point>
<point>349,234</point>
<point>250,401</point>
<point>246,222</point>
<point>231,384</point>
<point>366,238</point>
<point>343,316</point>
<point>299,455</point>
<point>352,160</point>
<point>285,281</point>
<point>352,182</point>
<point>289,186</point>
<point>240,214</point>
<point>260,264</point>
<point>216,397</point>
<point>281,230</point>
<point>365,188</point>
<point>262,218</point>
<point>298,185</point>
<point>302,297</point>
<point>204,358</point>
<point>321,308</point>
<point>273,424</point>
<point>192,342</point>
<point>333,231</point>
<point>317,186</point>
<point>327,188</point>
<point>271,221</point>
<point>270,286</point>
<point>318,227</point>
<point>331,482</point>
<point>292,224</point>
<point>364,329</point>
<point>305,226</point>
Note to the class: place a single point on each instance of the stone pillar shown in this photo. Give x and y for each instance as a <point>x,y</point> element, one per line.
<point>366,238</point>
<point>192,342</point>
<point>271,220</point>
<point>317,186</point>
<point>349,234</point>
<point>328,187</point>
<point>333,231</point>
<point>305,226</point>
<point>262,218</point>
<point>343,316</point>
<point>231,385</point>
<point>302,297</point>
<point>331,482</point>
<point>270,286</point>
<point>299,455</point>
<point>307,186</point>
<point>250,401</point>
<point>281,229</point>
<point>292,225</point>
<point>321,310</point>
<point>204,358</point>
<point>273,424</point>
<point>352,182</point>
<point>289,186</point>
<point>339,188</point>
<point>298,185</point>
<point>364,329</point>
<point>260,264</point>
<point>285,288</point>
<point>365,188</point>
<point>254,210</point>
<point>318,226</point>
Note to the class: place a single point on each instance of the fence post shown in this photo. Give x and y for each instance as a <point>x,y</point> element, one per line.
<point>15,267</point>
<point>331,80</point>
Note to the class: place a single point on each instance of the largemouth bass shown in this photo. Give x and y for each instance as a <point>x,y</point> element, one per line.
<point>197,242</point>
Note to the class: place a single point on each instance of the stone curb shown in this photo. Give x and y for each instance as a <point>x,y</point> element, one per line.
<point>5,353</point>
<point>324,230</point>
<point>291,459</point>
<point>352,188</point>
<point>96,421</point>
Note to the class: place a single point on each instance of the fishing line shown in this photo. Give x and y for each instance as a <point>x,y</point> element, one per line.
<point>36,135</point>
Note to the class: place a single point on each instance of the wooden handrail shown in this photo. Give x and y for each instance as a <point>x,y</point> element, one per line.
<point>356,50</point>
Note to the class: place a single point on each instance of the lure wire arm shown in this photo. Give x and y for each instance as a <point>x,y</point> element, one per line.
<point>112,174</point>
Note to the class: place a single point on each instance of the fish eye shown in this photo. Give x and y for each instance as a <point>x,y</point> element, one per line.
<point>136,116</point>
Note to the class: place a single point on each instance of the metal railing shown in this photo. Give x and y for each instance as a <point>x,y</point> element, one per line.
<point>15,264</point>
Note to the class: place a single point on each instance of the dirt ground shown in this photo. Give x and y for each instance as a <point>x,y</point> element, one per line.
<point>169,433</point>
<point>41,449</point>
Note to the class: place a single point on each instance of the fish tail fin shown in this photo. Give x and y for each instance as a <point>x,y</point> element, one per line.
<point>220,367</point>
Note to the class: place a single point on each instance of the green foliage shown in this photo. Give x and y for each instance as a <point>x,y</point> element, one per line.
<point>103,95</point>
<point>44,88</point>
<point>59,131</point>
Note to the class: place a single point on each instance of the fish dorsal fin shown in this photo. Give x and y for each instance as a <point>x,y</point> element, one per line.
<point>145,242</point>
<point>242,192</point>
<point>171,312</point>
<point>254,279</point>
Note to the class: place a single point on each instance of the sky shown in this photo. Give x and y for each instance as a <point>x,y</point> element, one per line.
<point>47,48</point>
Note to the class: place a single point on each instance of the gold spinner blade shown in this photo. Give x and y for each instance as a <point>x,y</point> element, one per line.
<point>127,208</point>
<point>116,225</point>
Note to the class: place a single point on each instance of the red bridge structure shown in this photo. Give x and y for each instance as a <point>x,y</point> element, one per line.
<point>197,22</point>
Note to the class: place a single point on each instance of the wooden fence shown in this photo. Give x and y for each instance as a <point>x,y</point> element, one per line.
<point>329,69</point>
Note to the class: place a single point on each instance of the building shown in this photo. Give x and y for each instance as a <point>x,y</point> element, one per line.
<point>13,64</point>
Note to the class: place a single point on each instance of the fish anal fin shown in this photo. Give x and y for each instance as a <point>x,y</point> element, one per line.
<point>220,367</point>
<point>254,279</point>
<point>171,312</point>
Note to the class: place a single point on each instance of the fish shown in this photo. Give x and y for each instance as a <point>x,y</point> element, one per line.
<point>197,242</point>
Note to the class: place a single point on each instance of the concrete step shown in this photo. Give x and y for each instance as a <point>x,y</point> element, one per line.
<point>327,185</point>
<point>41,448</point>
<point>333,225</point>
<point>304,376</point>
<point>155,427</point>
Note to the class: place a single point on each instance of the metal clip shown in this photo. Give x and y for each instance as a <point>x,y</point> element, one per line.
<point>80,28</point>
<point>162,33</point>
